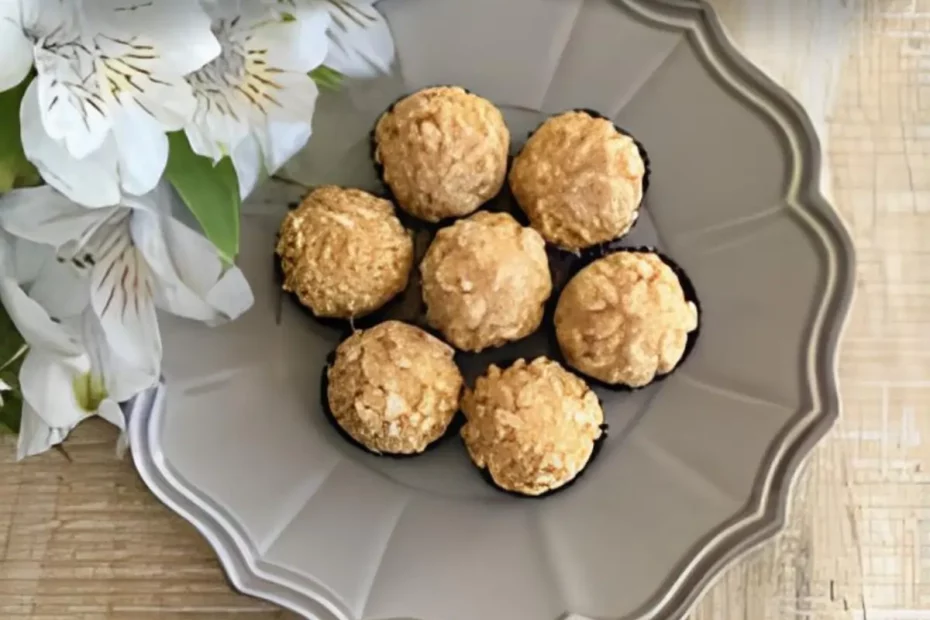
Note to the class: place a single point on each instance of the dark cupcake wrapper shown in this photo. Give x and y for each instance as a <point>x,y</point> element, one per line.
<point>687,287</point>
<point>495,203</point>
<point>644,155</point>
<point>455,425</point>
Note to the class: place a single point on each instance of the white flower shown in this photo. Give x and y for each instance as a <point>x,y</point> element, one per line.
<point>122,262</point>
<point>61,392</point>
<point>110,83</point>
<point>255,101</point>
<point>69,372</point>
<point>28,268</point>
<point>361,44</point>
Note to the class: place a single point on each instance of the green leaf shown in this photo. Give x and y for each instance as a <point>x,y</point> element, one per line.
<point>15,169</point>
<point>10,341</point>
<point>12,349</point>
<point>326,78</point>
<point>11,412</point>
<point>210,191</point>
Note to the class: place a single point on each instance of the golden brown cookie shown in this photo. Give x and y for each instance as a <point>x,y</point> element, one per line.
<point>344,253</point>
<point>579,180</point>
<point>532,426</point>
<point>393,388</point>
<point>624,319</point>
<point>485,281</point>
<point>443,152</point>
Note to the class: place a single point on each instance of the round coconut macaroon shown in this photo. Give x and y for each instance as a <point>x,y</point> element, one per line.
<point>393,389</point>
<point>532,427</point>
<point>442,151</point>
<point>344,253</point>
<point>625,319</point>
<point>485,281</point>
<point>579,180</point>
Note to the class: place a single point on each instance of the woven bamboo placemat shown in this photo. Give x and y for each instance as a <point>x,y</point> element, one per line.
<point>84,539</point>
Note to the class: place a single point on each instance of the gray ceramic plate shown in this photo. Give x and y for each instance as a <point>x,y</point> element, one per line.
<point>696,468</point>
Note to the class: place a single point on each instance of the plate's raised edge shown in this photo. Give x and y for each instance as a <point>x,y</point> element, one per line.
<point>765,513</point>
<point>762,517</point>
<point>238,557</point>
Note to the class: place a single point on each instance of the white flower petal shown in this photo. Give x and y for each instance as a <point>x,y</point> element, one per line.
<point>281,141</point>
<point>190,281</point>
<point>15,48</point>
<point>91,181</point>
<point>297,45</point>
<point>160,39</point>
<point>61,289</point>
<point>28,258</point>
<point>134,68</point>
<point>111,412</point>
<point>25,266</point>
<point>71,106</point>
<point>296,99</point>
<point>33,322</point>
<point>35,435</point>
<point>121,379</point>
<point>201,141</point>
<point>43,215</point>
<point>142,146</point>
<point>247,160</point>
<point>172,104</point>
<point>47,383</point>
<point>361,44</point>
<point>188,252</point>
<point>122,296</point>
<point>231,296</point>
<point>217,127</point>
<point>52,21</point>
<point>270,91</point>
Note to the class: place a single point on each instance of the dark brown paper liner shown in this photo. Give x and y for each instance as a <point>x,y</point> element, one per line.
<point>644,155</point>
<point>411,221</point>
<point>454,427</point>
<point>687,287</point>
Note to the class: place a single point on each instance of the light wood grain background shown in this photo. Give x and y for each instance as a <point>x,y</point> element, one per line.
<point>84,539</point>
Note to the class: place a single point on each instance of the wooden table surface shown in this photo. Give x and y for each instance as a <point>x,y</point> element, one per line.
<point>84,539</point>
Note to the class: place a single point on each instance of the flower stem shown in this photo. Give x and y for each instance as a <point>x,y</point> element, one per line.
<point>21,352</point>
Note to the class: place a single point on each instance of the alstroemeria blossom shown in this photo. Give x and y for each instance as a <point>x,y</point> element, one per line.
<point>69,372</point>
<point>61,392</point>
<point>361,45</point>
<point>256,99</point>
<point>124,261</point>
<point>110,83</point>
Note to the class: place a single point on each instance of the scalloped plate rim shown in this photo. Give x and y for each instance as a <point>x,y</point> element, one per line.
<point>757,521</point>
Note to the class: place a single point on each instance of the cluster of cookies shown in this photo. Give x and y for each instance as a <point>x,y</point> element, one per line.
<point>485,279</point>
